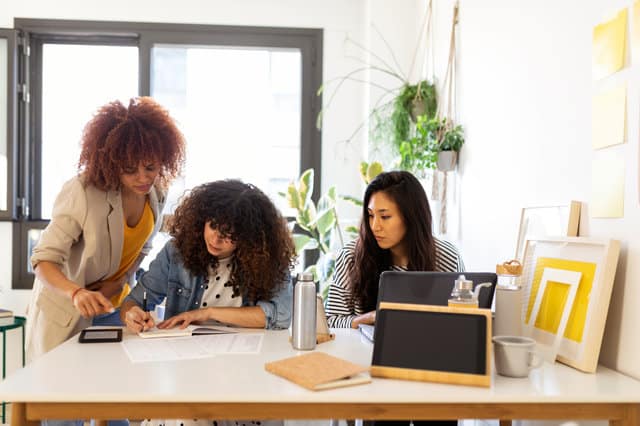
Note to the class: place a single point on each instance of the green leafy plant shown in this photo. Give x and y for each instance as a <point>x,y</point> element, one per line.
<point>393,114</point>
<point>432,136</point>
<point>392,122</point>
<point>316,226</point>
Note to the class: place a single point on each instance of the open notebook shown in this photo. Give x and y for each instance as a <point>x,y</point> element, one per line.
<point>191,330</point>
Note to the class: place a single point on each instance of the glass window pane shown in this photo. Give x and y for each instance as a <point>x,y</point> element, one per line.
<point>4,58</point>
<point>76,80</point>
<point>239,109</point>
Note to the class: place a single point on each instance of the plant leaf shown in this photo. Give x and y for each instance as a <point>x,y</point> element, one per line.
<point>326,221</point>
<point>374,169</point>
<point>364,166</point>
<point>293,198</point>
<point>351,199</point>
<point>304,242</point>
<point>305,187</point>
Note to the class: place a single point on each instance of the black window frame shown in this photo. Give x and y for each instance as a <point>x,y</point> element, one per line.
<point>12,129</point>
<point>33,33</point>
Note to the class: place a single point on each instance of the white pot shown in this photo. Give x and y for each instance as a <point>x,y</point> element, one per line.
<point>447,160</point>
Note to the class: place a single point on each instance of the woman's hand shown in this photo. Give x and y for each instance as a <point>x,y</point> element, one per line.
<point>186,318</point>
<point>107,288</point>
<point>136,319</point>
<point>91,303</point>
<point>368,318</point>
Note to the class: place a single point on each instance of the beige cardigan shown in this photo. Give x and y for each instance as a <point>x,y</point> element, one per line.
<point>85,238</point>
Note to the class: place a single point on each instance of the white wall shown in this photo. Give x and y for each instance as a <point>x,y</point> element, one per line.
<point>338,18</point>
<point>525,100</point>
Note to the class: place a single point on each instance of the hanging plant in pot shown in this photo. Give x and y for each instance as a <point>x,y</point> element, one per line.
<point>398,99</point>
<point>435,145</point>
<point>450,140</point>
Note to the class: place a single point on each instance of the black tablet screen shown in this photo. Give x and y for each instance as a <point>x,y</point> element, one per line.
<point>437,341</point>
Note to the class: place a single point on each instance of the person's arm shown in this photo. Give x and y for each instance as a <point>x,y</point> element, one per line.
<point>277,310</point>
<point>368,318</point>
<point>246,316</point>
<point>88,303</point>
<point>340,308</point>
<point>56,244</point>
<point>154,283</point>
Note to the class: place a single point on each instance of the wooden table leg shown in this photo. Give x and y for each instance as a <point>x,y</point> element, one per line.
<point>505,422</point>
<point>19,415</point>
<point>100,422</point>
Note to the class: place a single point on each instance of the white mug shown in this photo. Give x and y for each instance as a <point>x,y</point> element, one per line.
<point>515,356</point>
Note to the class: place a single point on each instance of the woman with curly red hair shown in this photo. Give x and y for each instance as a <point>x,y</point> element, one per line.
<point>103,221</point>
<point>229,261</point>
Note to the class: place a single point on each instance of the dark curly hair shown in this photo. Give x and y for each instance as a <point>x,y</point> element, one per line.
<point>370,260</point>
<point>119,137</point>
<point>264,253</point>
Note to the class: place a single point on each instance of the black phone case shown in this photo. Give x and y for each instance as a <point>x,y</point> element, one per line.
<point>85,336</point>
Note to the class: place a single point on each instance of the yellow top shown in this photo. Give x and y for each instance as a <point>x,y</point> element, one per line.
<point>134,239</point>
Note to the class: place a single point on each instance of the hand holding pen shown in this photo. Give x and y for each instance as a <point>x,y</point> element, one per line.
<point>138,319</point>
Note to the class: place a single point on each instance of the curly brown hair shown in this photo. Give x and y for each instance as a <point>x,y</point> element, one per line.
<point>119,137</point>
<point>264,253</point>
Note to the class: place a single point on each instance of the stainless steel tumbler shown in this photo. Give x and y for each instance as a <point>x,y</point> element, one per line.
<point>304,313</point>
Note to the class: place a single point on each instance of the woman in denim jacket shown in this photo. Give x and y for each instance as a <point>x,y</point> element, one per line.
<point>228,261</point>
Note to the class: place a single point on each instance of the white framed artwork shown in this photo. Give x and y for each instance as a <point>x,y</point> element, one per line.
<point>547,221</point>
<point>547,299</point>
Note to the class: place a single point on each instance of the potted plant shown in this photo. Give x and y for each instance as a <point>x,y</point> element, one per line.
<point>316,226</point>
<point>435,145</point>
<point>450,142</point>
<point>394,113</point>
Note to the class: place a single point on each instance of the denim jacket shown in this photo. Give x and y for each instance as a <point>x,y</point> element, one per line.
<point>167,277</point>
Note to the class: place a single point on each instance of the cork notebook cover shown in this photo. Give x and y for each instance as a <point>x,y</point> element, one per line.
<point>319,371</point>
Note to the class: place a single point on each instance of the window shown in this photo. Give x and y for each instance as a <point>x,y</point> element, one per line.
<point>8,95</point>
<point>232,90</point>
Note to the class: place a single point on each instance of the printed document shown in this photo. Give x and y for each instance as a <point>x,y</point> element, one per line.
<point>191,347</point>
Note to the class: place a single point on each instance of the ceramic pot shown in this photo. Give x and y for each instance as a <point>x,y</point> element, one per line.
<point>447,160</point>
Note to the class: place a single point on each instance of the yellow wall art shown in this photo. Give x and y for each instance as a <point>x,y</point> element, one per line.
<point>608,118</point>
<point>609,40</point>
<point>607,185</point>
<point>555,296</point>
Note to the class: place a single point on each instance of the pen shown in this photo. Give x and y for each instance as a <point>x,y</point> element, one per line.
<point>144,301</point>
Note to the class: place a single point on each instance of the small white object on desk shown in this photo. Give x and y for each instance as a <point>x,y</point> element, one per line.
<point>6,317</point>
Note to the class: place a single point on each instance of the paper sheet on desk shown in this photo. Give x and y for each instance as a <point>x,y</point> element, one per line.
<point>149,350</point>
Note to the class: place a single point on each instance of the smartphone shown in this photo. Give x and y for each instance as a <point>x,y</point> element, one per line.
<point>101,335</point>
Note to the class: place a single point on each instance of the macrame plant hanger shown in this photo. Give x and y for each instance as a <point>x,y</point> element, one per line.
<point>448,99</point>
<point>427,68</point>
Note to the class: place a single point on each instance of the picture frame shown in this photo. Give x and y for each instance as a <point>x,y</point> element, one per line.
<point>548,344</point>
<point>561,220</point>
<point>596,260</point>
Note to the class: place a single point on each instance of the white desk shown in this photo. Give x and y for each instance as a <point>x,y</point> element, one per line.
<point>98,381</point>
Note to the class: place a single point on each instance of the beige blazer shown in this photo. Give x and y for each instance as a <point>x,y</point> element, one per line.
<point>85,238</point>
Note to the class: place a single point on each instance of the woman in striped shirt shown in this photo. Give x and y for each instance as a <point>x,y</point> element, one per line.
<point>395,234</point>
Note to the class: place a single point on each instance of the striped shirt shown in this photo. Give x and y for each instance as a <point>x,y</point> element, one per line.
<point>341,310</point>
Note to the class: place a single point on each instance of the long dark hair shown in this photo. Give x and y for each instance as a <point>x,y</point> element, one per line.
<point>370,260</point>
<point>264,251</point>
